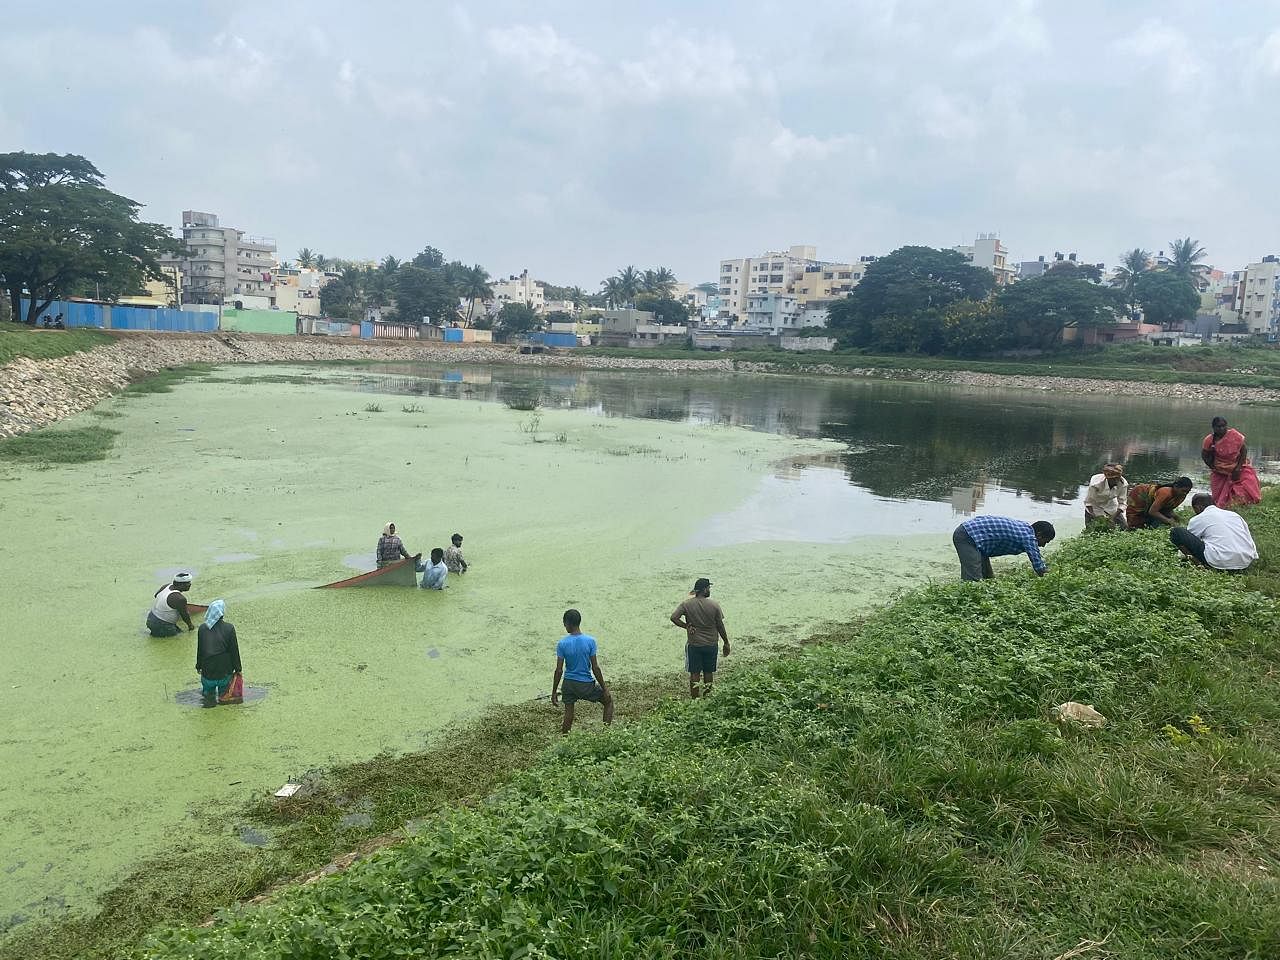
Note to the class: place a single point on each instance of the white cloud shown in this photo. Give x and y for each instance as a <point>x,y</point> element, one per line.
<point>1168,48</point>
<point>1268,56</point>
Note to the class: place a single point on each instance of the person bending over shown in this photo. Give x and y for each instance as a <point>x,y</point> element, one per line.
<point>169,604</point>
<point>1215,538</point>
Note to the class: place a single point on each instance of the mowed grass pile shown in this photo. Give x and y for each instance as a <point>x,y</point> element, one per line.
<point>898,792</point>
<point>17,340</point>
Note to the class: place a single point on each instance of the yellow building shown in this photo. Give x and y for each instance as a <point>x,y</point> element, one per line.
<point>159,293</point>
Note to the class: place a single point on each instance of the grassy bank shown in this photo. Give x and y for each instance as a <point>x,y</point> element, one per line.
<point>17,340</point>
<point>1230,366</point>
<point>899,791</point>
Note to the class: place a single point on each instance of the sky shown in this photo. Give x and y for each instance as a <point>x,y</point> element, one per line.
<point>574,138</point>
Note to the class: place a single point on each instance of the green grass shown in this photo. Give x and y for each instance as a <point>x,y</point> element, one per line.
<point>22,341</point>
<point>1220,365</point>
<point>163,381</point>
<point>56,446</point>
<point>897,790</point>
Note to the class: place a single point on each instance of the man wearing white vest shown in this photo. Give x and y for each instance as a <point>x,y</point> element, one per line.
<point>170,604</point>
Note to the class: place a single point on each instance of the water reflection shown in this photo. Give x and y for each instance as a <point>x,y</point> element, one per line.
<point>961,450</point>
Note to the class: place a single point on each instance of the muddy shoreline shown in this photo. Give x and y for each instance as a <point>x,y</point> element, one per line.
<point>36,393</point>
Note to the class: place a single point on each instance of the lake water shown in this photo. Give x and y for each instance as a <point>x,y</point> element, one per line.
<point>806,500</point>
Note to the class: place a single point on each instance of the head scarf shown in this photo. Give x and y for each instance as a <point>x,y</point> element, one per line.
<point>386,529</point>
<point>1113,471</point>
<point>183,578</point>
<point>215,612</point>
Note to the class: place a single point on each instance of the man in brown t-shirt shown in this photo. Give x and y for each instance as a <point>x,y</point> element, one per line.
<point>703,620</point>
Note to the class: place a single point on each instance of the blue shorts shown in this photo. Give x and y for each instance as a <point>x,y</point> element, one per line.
<point>700,659</point>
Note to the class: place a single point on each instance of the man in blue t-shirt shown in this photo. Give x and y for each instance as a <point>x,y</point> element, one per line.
<point>576,663</point>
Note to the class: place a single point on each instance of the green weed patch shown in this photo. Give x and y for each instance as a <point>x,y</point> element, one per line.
<point>50,446</point>
<point>163,381</point>
<point>899,791</point>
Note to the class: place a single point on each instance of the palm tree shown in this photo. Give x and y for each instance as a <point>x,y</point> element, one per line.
<point>1186,255</point>
<point>629,284</point>
<point>578,297</point>
<point>322,262</point>
<point>611,290</point>
<point>306,258</point>
<point>662,281</point>
<point>475,286</point>
<point>389,264</point>
<point>1133,263</point>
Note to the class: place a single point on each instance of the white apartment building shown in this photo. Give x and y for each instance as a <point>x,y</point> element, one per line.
<point>798,272</point>
<point>772,313</point>
<point>989,253</point>
<point>1258,297</point>
<point>224,265</point>
<point>519,289</point>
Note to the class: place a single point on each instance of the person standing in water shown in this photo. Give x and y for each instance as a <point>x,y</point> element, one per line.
<point>217,653</point>
<point>453,558</point>
<point>170,604</point>
<point>436,572</point>
<point>1232,479</point>
<point>390,548</point>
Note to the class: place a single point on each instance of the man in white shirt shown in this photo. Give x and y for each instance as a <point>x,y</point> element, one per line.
<point>1106,496</point>
<point>1219,539</point>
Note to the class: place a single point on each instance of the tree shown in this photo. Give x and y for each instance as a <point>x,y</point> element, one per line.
<point>559,316</point>
<point>389,264</point>
<point>341,300</point>
<point>578,297</point>
<point>475,286</point>
<point>61,229</point>
<point>517,318</point>
<point>664,309</point>
<point>1038,311</point>
<point>658,283</point>
<point>1133,263</point>
<point>424,294</point>
<point>1187,254</point>
<point>975,327</point>
<point>900,301</point>
<point>429,257</point>
<point>322,263</point>
<point>1167,297</point>
<point>306,258</point>
<point>611,292</point>
<point>628,284</point>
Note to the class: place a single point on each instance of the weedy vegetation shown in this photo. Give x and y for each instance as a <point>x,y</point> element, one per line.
<point>18,340</point>
<point>51,445</point>
<point>898,790</point>
<point>373,408</point>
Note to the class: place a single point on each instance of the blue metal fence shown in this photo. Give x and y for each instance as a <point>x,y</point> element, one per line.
<point>76,313</point>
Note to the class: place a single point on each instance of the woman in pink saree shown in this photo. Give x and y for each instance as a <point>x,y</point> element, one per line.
<point>1233,479</point>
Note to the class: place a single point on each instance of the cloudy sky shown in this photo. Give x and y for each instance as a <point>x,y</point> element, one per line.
<point>572,138</point>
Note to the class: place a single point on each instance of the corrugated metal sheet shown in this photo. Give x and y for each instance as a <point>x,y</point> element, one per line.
<point>559,339</point>
<point>366,330</point>
<point>76,313</point>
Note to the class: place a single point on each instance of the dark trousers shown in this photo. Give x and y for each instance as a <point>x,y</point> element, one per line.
<point>160,628</point>
<point>1185,540</point>
<point>973,564</point>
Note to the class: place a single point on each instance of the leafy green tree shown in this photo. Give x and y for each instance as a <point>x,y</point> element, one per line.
<point>517,318</point>
<point>559,316</point>
<point>664,309</point>
<point>425,294</point>
<point>1167,297</point>
<point>389,264</point>
<point>61,229</point>
<point>306,258</point>
<point>899,303</point>
<point>1186,255</point>
<point>429,258</point>
<point>1038,311</point>
<point>973,328</point>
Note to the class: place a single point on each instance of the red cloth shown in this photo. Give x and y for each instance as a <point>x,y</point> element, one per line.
<point>1227,489</point>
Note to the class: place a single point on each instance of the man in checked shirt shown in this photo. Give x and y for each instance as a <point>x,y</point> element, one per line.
<point>980,538</point>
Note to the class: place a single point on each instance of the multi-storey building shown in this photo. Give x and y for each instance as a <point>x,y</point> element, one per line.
<point>798,273</point>
<point>988,252</point>
<point>519,289</point>
<point>225,265</point>
<point>1257,297</point>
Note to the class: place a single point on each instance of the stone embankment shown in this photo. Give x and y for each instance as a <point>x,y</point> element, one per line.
<point>34,393</point>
